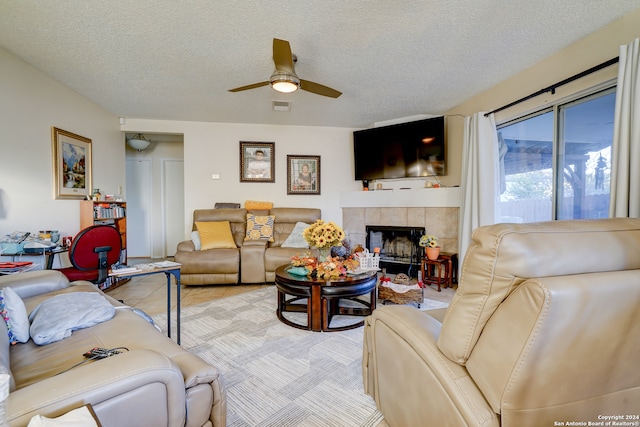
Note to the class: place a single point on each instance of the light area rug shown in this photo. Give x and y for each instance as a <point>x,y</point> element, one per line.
<point>277,375</point>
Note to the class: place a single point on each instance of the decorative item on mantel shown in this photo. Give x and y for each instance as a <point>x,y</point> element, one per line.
<point>430,244</point>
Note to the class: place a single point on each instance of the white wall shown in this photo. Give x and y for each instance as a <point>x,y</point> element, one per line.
<point>596,48</point>
<point>30,104</point>
<point>215,148</point>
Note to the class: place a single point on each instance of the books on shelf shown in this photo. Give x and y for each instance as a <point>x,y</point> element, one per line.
<point>108,210</point>
<point>112,281</point>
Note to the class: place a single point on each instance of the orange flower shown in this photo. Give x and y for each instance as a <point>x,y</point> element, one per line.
<point>333,267</point>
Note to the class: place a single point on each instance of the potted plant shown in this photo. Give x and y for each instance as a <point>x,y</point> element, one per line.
<point>430,244</point>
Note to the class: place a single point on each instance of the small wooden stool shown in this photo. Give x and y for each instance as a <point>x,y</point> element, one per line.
<point>440,266</point>
<point>452,273</point>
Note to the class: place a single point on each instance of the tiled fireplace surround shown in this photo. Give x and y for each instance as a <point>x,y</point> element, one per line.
<point>441,222</point>
<point>437,210</point>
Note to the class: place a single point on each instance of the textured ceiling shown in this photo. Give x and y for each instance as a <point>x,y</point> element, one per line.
<point>175,60</point>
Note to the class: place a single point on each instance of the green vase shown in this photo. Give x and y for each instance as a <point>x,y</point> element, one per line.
<point>323,253</point>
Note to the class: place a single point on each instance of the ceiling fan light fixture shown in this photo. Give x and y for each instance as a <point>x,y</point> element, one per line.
<point>139,142</point>
<point>284,82</point>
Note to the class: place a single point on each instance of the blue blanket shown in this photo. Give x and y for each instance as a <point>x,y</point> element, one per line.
<point>55,318</point>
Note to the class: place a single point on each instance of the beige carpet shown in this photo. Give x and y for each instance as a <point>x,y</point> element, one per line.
<point>277,375</point>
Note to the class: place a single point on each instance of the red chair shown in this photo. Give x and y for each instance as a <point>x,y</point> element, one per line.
<point>92,252</point>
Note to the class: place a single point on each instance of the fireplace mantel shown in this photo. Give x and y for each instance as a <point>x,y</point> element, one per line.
<point>444,197</point>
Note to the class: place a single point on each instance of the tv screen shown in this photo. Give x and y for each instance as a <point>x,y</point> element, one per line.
<point>405,150</point>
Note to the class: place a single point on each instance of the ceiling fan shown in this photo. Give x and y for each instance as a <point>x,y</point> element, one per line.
<point>284,78</point>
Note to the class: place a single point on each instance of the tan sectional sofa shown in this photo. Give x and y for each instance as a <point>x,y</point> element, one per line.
<point>544,329</point>
<point>252,261</point>
<point>155,383</point>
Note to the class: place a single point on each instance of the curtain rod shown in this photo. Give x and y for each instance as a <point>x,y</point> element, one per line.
<point>553,87</point>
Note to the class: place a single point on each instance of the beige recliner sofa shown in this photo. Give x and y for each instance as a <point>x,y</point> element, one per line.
<point>155,383</point>
<point>544,329</point>
<point>253,261</point>
<point>213,266</point>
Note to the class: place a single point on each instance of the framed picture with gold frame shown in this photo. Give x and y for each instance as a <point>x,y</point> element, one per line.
<point>257,161</point>
<point>303,174</point>
<point>71,165</point>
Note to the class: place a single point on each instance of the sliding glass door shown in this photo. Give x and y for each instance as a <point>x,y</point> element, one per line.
<point>556,162</point>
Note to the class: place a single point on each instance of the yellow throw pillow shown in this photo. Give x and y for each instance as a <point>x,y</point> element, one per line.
<point>254,205</point>
<point>260,227</point>
<point>215,235</point>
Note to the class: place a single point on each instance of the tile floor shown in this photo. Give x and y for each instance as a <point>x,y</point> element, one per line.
<point>149,293</point>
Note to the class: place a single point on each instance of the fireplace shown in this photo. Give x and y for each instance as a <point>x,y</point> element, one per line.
<point>399,249</point>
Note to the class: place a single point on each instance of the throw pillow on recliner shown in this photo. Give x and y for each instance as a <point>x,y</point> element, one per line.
<point>260,227</point>
<point>215,235</point>
<point>195,238</point>
<point>296,238</point>
<point>254,205</point>
<point>15,315</point>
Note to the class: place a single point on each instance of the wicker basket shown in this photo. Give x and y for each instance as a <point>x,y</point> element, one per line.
<point>388,294</point>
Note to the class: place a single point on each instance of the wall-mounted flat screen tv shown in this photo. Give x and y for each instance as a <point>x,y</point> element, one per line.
<point>405,150</point>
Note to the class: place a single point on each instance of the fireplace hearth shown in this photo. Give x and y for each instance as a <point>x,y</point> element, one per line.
<point>399,248</point>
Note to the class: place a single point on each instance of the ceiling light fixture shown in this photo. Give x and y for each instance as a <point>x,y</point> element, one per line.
<point>284,82</point>
<point>139,142</point>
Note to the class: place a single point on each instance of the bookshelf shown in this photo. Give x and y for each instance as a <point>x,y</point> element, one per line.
<point>107,213</point>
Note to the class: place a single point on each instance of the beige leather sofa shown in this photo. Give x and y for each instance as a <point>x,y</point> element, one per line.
<point>544,329</point>
<point>253,261</point>
<point>155,383</point>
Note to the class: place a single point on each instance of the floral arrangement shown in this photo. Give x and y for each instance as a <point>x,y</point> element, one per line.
<point>332,267</point>
<point>428,240</point>
<point>323,234</point>
<point>307,261</point>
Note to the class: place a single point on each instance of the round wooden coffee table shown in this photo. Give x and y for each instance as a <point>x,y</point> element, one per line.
<point>323,298</point>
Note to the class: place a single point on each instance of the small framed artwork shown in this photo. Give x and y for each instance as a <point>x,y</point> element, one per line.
<point>71,165</point>
<point>257,161</point>
<point>303,174</point>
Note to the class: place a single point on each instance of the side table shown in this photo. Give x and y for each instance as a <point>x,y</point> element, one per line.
<point>169,269</point>
<point>452,274</point>
<point>446,260</point>
<point>438,267</point>
<point>47,255</point>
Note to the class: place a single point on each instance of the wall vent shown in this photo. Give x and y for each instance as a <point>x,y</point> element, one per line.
<point>281,106</point>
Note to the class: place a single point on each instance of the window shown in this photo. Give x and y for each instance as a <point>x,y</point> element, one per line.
<point>557,162</point>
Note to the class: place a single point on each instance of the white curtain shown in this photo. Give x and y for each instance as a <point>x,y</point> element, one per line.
<point>480,177</point>
<point>625,162</point>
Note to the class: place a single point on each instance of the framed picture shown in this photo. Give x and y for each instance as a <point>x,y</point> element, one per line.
<point>257,161</point>
<point>303,174</point>
<point>71,165</point>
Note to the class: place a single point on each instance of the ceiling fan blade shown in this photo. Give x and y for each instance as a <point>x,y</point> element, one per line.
<point>319,89</point>
<point>247,87</point>
<point>282,57</point>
